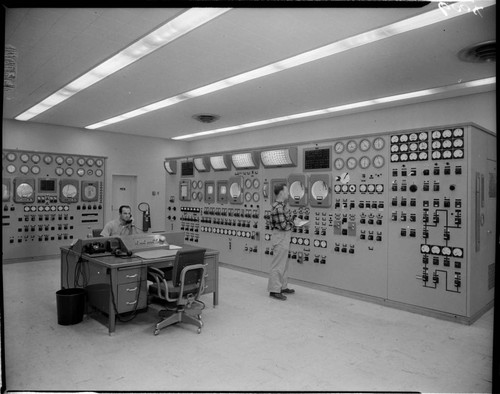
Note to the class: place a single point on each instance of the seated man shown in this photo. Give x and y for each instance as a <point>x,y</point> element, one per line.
<point>124,225</point>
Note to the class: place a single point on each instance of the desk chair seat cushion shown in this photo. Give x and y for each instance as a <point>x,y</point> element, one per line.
<point>173,291</point>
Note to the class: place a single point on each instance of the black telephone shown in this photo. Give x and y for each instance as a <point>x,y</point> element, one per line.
<point>129,221</point>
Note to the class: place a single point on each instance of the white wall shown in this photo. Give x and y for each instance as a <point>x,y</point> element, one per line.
<point>127,155</point>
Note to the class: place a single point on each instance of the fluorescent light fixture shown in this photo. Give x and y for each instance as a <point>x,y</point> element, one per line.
<point>381,33</point>
<point>220,163</point>
<point>346,107</point>
<point>245,160</point>
<point>286,157</point>
<point>170,166</point>
<point>158,38</point>
<point>201,164</point>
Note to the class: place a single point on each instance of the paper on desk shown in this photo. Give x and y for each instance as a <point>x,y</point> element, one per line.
<point>300,222</point>
<point>174,247</point>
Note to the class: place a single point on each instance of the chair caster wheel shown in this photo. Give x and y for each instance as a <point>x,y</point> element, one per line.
<point>156,331</point>
<point>199,330</point>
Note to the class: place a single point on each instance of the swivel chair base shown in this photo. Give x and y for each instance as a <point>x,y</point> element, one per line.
<point>180,316</point>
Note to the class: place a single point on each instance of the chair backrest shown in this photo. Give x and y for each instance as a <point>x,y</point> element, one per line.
<point>96,232</point>
<point>183,259</point>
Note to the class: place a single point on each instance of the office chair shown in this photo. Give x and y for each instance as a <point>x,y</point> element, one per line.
<point>180,293</point>
<point>96,232</point>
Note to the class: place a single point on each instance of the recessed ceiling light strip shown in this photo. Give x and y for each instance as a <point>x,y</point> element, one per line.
<point>393,29</point>
<point>346,107</point>
<point>158,38</point>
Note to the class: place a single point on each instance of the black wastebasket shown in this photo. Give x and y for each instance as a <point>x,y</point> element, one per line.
<point>70,306</point>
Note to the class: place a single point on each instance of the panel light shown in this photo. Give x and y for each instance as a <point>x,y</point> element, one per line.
<point>170,166</point>
<point>286,157</point>
<point>246,160</point>
<point>202,164</point>
<point>220,163</point>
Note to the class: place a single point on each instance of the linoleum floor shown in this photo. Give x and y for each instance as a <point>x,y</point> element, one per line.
<point>313,341</point>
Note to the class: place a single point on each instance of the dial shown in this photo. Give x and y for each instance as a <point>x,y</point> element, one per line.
<point>458,154</point>
<point>423,145</point>
<point>364,162</point>
<point>378,143</point>
<point>69,191</point>
<point>425,248</point>
<point>248,196</point>
<point>59,160</point>
<point>446,133</point>
<point>447,154</point>
<point>413,156</point>
<point>352,146</point>
<point>345,188</point>
<point>423,156</point>
<point>371,188</point>
<point>337,188</point>
<point>35,170</point>
<point>59,171</point>
<point>300,241</point>
<point>364,145</point>
<point>98,172</point>
<point>11,168</point>
<point>24,157</point>
<point>446,251</point>
<point>323,243</point>
<point>458,133</point>
<point>394,148</point>
<point>24,190</point>
<point>403,148</point>
<point>256,183</point>
<point>394,139</point>
<point>362,188</point>
<point>24,169</point>
<point>436,249</point>
<point>35,158</point>
<point>436,145</point>
<point>11,156</point>
<point>352,188</point>
<point>447,144</point>
<point>436,134</point>
<point>422,136</point>
<point>200,184</point>
<point>248,183</point>
<point>403,138</point>
<point>69,171</point>
<point>90,192</point>
<point>413,146</point>
<point>256,197</point>
<point>90,162</point>
<point>81,161</point>
<point>379,188</point>
<point>436,155</point>
<point>194,184</point>
<point>307,242</point>
<point>99,162</point>
<point>457,252</point>
<point>394,157</point>
<point>80,172</point>
<point>194,195</point>
<point>316,242</point>
<point>351,163</point>
<point>458,143</point>
<point>413,137</point>
<point>339,147</point>
<point>403,157</point>
<point>339,163</point>
<point>47,159</point>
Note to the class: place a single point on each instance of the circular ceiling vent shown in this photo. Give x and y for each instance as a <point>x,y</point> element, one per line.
<point>206,118</point>
<point>484,52</point>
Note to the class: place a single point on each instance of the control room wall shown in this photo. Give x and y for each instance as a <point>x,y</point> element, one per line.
<point>126,155</point>
<point>478,108</point>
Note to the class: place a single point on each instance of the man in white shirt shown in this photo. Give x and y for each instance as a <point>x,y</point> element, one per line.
<point>124,225</point>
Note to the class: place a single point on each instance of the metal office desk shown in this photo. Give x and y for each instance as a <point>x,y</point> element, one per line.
<point>118,285</point>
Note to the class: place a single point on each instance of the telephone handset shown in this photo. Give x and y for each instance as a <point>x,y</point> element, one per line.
<point>129,221</point>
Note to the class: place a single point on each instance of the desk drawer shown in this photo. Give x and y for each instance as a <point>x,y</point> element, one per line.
<point>131,296</point>
<point>128,275</point>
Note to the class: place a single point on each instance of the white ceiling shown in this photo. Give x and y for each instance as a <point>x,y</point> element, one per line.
<point>57,45</point>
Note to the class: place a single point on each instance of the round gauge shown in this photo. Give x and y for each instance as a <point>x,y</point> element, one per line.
<point>90,192</point>
<point>316,242</point>
<point>413,156</point>
<point>319,190</point>
<point>35,170</point>
<point>66,208</point>
<point>194,184</point>
<point>323,243</point>
<point>380,188</point>
<point>345,188</point>
<point>364,162</point>
<point>248,196</point>
<point>458,133</point>
<point>338,163</point>
<point>11,168</point>
<point>352,188</point>
<point>60,208</point>
<point>362,188</point>
<point>423,156</point>
<point>24,157</point>
<point>457,252</point>
<point>446,251</point>
<point>351,163</point>
<point>339,147</point>
<point>394,148</point>
<point>90,162</point>
<point>40,208</point>
<point>403,148</point>
<point>256,183</point>
<point>24,169</point>
<point>436,134</point>
<point>458,143</point>
<point>256,197</point>
<point>248,183</point>
<point>435,249</point>
<point>447,154</point>
<point>69,191</point>
<point>47,159</point>
<point>436,155</point>
<point>413,146</point>
<point>394,139</point>
<point>59,160</point>
<point>99,162</point>
<point>11,156</point>
<point>90,172</point>
<point>423,145</point>
<point>52,208</point>
<point>80,161</point>
<point>59,171</point>
<point>378,161</point>
<point>24,190</point>
<point>69,171</point>
<point>300,241</point>
<point>403,138</point>
<point>235,190</point>
<point>403,157</point>
<point>46,208</point>
<point>26,208</point>
<point>351,146</point>
<point>80,172</point>
<point>425,248</point>
<point>422,136</point>
<point>458,154</point>
<point>447,144</point>
<point>200,184</point>
<point>70,161</point>
<point>200,196</point>
<point>371,188</point>
<point>337,188</point>
<point>378,143</point>
<point>294,240</point>
<point>98,172</point>
<point>413,137</point>
<point>35,158</point>
<point>394,157</point>
<point>307,242</point>
<point>446,133</point>
<point>436,145</point>
<point>194,195</point>
<point>364,145</point>
<point>297,190</point>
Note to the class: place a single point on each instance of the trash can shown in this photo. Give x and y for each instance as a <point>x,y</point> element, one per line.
<point>70,306</point>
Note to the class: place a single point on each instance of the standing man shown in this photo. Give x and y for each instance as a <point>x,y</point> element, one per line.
<point>282,224</point>
<point>124,225</point>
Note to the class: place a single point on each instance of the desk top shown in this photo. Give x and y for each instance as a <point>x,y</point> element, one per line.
<point>112,261</point>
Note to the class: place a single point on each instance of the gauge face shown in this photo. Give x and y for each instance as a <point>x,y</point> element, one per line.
<point>403,148</point>
<point>235,190</point>
<point>35,158</point>
<point>435,249</point>
<point>24,190</point>
<point>256,197</point>
<point>319,190</point>
<point>80,161</point>
<point>364,162</point>
<point>457,252</point>
<point>351,146</point>
<point>256,183</point>
<point>11,156</point>
<point>47,159</point>
<point>446,251</point>
<point>394,139</point>
<point>394,148</point>
<point>422,136</point>
<point>339,147</point>
<point>362,188</point>
<point>447,154</point>
<point>59,160</point>
<point>297,190</point>
<point>425,248</point>
<point>458,143</point>
<point>446,134</point>
<point>458,133</point>
<point>24,157</point>
<point>24,169</point>
<point>413,146</point>
<point>11,168</point>
<point>194,184</point>
<point>248,183</point>
<point>69,171</point>
<point>379,188</point>
<point>413,156</point>
<point>423,156</point>
<point>371,188</point>
<point>98,172</point>
<point>403,157</point>
<point>436,134</point>
<point>447,144</point>
<point>90,162</point>
<point>413,137</point>
<point>338,163</point>
<point>403,138</point>
<point>90,172</point>
<point>436,155</point>
<point>59,171</point>
<point>200,184</point>
<point>248,196</point>
<point>323,243</point>
<point>364,145</point>
<point>436,145</point>
<point>80,172</point>
<point>194,195</point>
<point>99,162</point>
<point>345,188</point>
<point>351,163</point>
<point>378,143</point>
<point>69,191</point>
<point>394,157</point>
<point>337,188</point>
<point>423,145</point>
<point>459,153</point>
<point>35,170</point>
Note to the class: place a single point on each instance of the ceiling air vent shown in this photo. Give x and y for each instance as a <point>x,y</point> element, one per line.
<point>206,118</point>
<point>484,52</point>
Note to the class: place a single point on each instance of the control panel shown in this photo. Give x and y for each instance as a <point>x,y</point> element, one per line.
<point>49,200</point>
